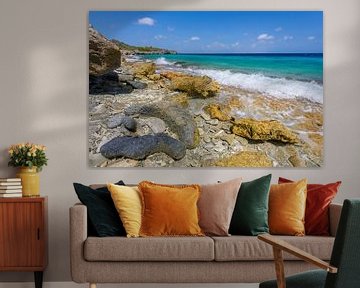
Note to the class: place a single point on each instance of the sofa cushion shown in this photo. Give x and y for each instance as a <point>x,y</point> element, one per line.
<point>169,210</point>
<point>102,216</point>
<point>245,248</point>
<point>250,215</point>
<point>149,249</point>
<point>216,206</point>
<point>287,204</point>
<point>127,201</point>
<point>318,199</point>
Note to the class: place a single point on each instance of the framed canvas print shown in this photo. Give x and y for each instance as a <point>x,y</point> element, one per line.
<point>205,88</point>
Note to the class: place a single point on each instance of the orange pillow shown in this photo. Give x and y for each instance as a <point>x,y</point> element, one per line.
<point>169,210</point>
<point>318,200</point>
<point>287,204</point>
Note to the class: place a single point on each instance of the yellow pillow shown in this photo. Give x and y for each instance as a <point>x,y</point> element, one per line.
<point>287,204</point>
<point>169,210</point>
<point>127,201</point>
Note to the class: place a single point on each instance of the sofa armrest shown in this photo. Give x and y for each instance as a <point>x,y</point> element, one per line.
<point>334,216</point>
<point>78,235</point>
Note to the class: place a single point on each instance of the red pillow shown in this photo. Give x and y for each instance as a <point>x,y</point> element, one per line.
<point>319,197</point>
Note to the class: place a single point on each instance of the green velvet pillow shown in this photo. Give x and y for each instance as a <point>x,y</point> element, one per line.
<point>250,216</point>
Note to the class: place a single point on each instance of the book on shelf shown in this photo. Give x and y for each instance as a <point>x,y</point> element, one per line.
<point>9,195</point>
<point>10,183</point>
<point>10,180</point>
<point>10,191</point>
<point>10,187</point>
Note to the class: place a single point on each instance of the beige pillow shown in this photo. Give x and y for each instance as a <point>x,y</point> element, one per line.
<point>216,206</point>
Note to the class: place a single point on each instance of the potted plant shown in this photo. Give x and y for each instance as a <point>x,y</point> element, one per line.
<point>30,158</point>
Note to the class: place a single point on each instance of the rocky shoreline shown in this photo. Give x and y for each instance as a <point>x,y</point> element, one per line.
<point>143,115</point>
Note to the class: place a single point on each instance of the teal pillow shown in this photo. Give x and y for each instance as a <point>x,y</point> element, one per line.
<point>250,216</point>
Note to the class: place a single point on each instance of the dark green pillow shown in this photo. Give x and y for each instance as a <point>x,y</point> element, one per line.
<point>103,218</point>
<point>250,216</point>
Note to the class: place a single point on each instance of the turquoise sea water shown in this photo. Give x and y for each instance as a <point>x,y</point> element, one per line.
<point>279,75</point>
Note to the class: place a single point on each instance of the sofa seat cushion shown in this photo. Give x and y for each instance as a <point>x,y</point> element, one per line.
<point>149,249</point>
<point>244,248</point>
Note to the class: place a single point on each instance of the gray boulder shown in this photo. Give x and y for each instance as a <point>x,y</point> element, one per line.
<point>178,120</point>
<point>137,84</point>
<point>139,148</point>
<point>119,119</point>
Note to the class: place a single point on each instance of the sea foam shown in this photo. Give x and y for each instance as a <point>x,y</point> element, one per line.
<point>276,87</point>
<point>162,61</point>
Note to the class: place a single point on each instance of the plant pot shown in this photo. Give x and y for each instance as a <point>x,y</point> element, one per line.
<point>30,181</point>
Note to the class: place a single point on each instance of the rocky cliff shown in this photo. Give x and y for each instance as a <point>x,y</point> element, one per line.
<point>104,55</point>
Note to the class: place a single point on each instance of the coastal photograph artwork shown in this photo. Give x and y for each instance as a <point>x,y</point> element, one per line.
<point>205,89</point>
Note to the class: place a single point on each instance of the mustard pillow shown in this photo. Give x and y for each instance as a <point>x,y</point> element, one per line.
<point>127,201</point>
<point>169,210</point>
<point>287,204</point>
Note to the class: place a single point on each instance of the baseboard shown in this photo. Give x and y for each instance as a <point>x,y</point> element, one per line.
<point>74,285</point>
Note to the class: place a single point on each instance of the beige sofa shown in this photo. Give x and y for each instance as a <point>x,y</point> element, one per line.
<point>234,259</point>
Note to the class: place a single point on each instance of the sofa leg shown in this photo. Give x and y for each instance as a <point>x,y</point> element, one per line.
<point>92,285</point>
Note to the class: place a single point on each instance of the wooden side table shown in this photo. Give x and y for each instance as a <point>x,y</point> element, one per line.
<point>23,235</point>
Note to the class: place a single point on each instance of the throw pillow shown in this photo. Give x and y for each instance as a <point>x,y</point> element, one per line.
<point>287,204</point>
<point>319,197</point>
<point>102,215</point>
<point>128,204</point>
<point>250,215</point>
<point>216,206</point>
<point>169,210</point>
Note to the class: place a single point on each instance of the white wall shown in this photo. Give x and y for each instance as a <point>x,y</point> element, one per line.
<point>43,88</point>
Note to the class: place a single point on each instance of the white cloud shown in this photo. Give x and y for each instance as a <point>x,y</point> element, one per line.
<point>288,37</point>
<point>311,38</point>
<point>146,21</point>
<point>159,37</point>
<point>236,44</point>
<point>265,37</point>
<point>195,38</point>
<point>278,29</point>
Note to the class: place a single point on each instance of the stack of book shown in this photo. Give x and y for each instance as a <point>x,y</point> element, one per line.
<point>10,187</point>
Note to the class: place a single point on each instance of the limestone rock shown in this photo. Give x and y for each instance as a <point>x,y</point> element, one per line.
<point>181,99</point>
<point>156,124</point>
<point>263,130</point>
<point>194,86</point>
<point>171,74</point>
<point>119,119</point>
<point>137,84</point>
<point>95,160</point>
<point>296,161</point>
<point>104,56</point>
<point>245,159</point>
<point>143,69</point>
<point>140,147</point>
<point>179,120</point>
<point>115,121</point>
<point>129,123</point>
<point>125,77</point>
<point>154,77</point>
<point>218,112</point>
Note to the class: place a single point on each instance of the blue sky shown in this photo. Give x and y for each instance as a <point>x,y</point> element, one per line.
<point>215,31</point>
